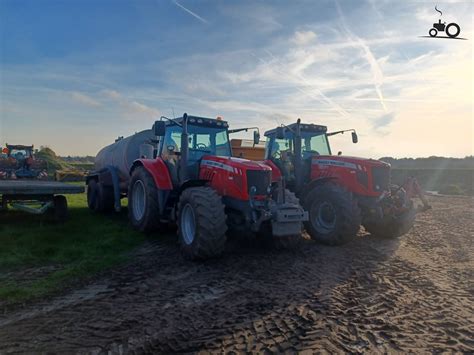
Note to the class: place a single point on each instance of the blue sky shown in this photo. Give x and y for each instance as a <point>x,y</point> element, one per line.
<point>76,74</point>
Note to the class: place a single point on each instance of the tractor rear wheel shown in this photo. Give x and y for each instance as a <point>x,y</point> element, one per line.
<point>395,226</point>
<point>100,198</point>
<point>143,206</point>
<point>201,223</point>
<point>334,216</point>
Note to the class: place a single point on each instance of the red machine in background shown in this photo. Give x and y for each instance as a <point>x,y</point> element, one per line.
<point>19,162</point>
<point>340,193</point>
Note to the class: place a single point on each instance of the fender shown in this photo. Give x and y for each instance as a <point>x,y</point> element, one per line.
<point>158,169</point>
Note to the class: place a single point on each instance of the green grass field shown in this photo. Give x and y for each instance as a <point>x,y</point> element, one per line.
<point>83,246</point>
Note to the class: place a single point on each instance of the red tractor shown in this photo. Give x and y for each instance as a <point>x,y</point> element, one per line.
<point>340,193</point>
<point>19,162</point>
<point>182,171</point>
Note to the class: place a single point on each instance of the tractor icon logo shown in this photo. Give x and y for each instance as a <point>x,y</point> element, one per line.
<point>452,29</point>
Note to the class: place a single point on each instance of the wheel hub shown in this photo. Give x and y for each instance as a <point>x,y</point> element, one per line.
<point>325,217</point>
<point>188,224</point>
<point>138,200</point>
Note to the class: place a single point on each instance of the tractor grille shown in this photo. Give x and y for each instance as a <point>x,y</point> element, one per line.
<point>260,179</point>
<point>380,178</point>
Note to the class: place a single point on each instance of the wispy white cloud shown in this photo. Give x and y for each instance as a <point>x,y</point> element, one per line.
<point>84,99</point>
<point>302,38</point>
<point>195,15</point>
<point>130,106</point>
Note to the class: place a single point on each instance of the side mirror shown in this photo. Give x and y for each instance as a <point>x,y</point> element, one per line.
<point>159,128</point>
<point>280,132</point>
<point>354,137</point>
<point>256,137</point>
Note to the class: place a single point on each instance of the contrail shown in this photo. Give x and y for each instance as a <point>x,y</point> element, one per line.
<point>369,56</point>
<point>191,13</point>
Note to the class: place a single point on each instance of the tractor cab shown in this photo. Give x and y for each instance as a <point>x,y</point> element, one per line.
<point>282,147</point>
<point>19,152</point>
<point>184,144</point>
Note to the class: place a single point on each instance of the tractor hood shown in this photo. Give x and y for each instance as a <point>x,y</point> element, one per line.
<point>347,161</point>
<point>231,163</point>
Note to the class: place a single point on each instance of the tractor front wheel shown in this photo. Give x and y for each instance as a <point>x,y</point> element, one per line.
<point>201,223</point>
<point>334,216</point>
<point>433,32</point>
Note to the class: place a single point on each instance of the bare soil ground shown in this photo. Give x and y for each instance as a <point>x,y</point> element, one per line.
<point>372,295</point>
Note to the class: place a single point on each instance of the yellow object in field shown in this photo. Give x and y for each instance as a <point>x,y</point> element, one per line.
<point>70,175</point>
<point>246,149</point>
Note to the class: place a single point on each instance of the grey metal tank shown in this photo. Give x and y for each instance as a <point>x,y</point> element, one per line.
<point>123,153</point>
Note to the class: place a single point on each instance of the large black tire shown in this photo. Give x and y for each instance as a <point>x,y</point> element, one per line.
<point>394,227</point>
<point>144,214</point>
<point>289,242</point>
<point>60,208</point>
<point>100,198</point>
<point>201,223</point>
<point>334,216</point>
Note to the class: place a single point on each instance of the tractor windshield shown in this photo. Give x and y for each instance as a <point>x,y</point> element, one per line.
<point>314,144</point>
<point>311,144</point>
<point>19,154</point>
<point>203,140</point>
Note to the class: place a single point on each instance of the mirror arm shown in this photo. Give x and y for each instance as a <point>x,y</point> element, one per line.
<point>230,131</point>
<point>337,132</point>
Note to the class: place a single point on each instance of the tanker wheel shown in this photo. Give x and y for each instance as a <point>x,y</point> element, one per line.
<point>455,34</point>
<point>433,32</point>
<point>143,206</point>
<point>100,198</point>
<point>60,208</point>
<point>394,227</point>
<point>334,216</point>
<point>288,242</point>
<point>201,223</point>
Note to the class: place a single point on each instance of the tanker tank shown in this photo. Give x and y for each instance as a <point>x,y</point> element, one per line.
<point>123,153</point>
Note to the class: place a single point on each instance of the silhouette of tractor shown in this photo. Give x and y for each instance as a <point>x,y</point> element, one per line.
<point>441,27</point>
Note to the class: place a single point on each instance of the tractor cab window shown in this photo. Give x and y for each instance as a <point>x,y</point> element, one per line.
<point>20,154</point>
<point>314,145</point>
<point>202,140</point>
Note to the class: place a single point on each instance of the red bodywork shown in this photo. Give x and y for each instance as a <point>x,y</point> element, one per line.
<point>227,175</point>
<point>355,174</point>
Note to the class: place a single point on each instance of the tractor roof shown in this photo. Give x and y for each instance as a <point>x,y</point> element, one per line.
<point>202,121</point>
<point>305,127</point>
<point>17,146</point>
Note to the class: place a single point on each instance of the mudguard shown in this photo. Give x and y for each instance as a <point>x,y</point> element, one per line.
<point>158,169</point>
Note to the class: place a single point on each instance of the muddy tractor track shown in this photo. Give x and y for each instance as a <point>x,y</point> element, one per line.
<point>411,294</point>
